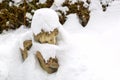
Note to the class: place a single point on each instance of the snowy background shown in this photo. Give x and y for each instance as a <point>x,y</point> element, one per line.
<point>90,53</point>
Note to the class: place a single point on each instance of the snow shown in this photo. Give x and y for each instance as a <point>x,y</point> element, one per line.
<point>90,53</point>
<point>72,20</point>
<point>17,1</point>
<point>28,15</point>
<point>58,3</point>
<point>45,19</point>
<point>42,1</point>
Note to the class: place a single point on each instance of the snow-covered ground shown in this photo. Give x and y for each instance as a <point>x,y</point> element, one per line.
<point>90,53</point>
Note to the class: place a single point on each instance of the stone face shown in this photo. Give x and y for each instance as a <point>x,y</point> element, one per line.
<point>50,66</point>
<point>27,44</point>
<point>24,53</point>
<point>46,37</point>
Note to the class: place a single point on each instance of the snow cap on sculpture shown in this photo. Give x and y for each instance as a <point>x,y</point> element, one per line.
<point>44,19</point>
<point>45,25</point>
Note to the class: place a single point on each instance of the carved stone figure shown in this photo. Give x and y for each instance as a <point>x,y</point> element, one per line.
<point>45,30</point>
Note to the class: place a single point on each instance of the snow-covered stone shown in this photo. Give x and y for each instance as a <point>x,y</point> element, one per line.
<point>44,19</point>
<point>93,54</point>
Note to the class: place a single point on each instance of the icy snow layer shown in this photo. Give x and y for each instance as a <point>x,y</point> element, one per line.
<point>46,19</point>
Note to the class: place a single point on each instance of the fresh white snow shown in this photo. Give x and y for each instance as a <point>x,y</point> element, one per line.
<point>90,53</point>
<point>42,22</point>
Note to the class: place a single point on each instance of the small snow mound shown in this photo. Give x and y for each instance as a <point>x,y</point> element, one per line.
<point>47,50</point>
<point>26,36</point>
<point>72,20</point>
<point>46,19</point>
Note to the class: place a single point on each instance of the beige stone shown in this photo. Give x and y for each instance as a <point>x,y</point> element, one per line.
<point>24,53</point>
<point>50,66</point>
<point>46,37</point>
<point>27,44</point>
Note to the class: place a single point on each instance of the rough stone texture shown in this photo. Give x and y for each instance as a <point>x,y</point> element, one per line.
<point>46,37</point>
<point>27,44</point>
<point>51,66</point>
<point>24,53</point>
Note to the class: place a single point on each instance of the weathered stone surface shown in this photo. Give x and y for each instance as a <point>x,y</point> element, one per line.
<point>51,66</point>
<point>27,44</point>
<point>24,53</point>
<point>46,37</point>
